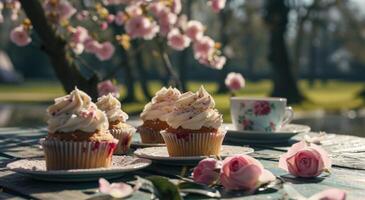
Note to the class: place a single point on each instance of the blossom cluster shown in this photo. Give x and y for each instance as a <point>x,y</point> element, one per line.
<point>140,19</point>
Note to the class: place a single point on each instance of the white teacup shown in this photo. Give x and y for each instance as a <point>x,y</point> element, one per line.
<point>260,114</point>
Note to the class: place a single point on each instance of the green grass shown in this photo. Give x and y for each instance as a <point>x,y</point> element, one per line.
<point>332,96</point>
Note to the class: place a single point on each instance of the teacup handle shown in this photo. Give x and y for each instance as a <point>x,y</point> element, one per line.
<point>288,116</point>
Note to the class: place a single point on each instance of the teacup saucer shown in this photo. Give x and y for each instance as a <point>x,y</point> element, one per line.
<point>36,168</point>
<point>160,155</point>
<point>279,136</point>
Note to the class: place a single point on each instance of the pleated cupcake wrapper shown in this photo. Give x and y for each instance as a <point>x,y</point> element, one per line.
<point>150,136</point>
<point>194,144</point>
<point>77,155</point>
<point>125,139</point>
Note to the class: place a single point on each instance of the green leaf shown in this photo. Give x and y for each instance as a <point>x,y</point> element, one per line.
<point>165,189</point>
<point>195,188</point>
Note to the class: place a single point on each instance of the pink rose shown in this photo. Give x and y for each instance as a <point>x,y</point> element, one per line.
<point>305,160</point>
<point>261,108</point>
<point>329,194</point>
<point>177,41</point>
<point>194,30</point>
<point>106,87</point>
<point>207,171</point>
<point>116,190</point>
<point>217,5</point>
<point>20,36</point>
<point>234,81</point>
<point>244,173</point>
<point>203,47</point>
<point>105,52</point>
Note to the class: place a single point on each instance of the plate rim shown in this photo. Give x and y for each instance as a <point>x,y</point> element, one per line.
<point>93,171</point>
<point>182,158</point>
<point>306,128</point>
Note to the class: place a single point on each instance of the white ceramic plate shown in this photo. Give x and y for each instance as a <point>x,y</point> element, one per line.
<point>282,135</point>
<point>36,169</point>
<point>137,143</point>
<point>160,155</point>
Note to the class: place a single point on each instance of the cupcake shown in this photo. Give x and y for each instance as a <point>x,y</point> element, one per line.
<point>194,126</point>
<point>117,122</point>
<point>155,114</point>
<point>78,135</point>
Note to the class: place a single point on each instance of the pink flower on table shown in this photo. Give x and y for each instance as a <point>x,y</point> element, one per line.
<point>194,30</point>
<point>244,173</point>
<point>305,160</point>
<point>116,190</point>
<point>92,46</point>
<point>207,171</point>
<point>79,35</point>
<point>329,194</point>
<point>261,108</point>
<point>105,52</point>
<point>20,36</point>
<point>234,81</point>
<point>106,87</point>
<point>177,40</point>
<point>203,47</point>
<point>120,18</point>
<point>217,5</point>
<point>141,27</point>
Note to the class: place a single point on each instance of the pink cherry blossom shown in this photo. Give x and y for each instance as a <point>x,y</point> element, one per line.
<point>244,173</point>
<point>305,160</point>
<point>110,18</point>
<point>116,190</point>
<point>65,9</point>
<point>203,47</point>
<point>234,81</point>
<point>217,62</point>
<point>120,18</point>
<point>92,46</point>
<point>134,10</point>
<point>105,52</point>
<point>207,171</point>
<point>176,6</point>
<point>107,87</point>
<point>156,7</point>
<point>177,41</point>
<point>20,36</point>
<point>329,194</point>
<point>141,27</point>
<point>166,20</point>
<point>79,35</point>
<point>217,5</point>
<point>194,30</point>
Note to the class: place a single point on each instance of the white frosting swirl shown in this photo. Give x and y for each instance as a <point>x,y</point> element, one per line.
<point>75,112</point>
<point>112,108</point>
<point>161,105</point>
<point>194,111</point>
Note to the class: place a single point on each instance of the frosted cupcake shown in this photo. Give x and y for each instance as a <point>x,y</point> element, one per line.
<point>78,135</point>
<point>117,122</point>
<point>155,114</point>
<point>194,126</point>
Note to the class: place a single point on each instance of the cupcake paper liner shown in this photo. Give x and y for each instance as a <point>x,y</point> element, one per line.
<point>125,139</point>
<point>194,144</point>
<point>63,155</point>
<point>150,136</point>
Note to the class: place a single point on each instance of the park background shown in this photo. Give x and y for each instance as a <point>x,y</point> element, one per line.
<point>314,57</point>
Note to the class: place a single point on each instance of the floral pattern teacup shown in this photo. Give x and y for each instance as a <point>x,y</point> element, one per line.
<point>260,114</point>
